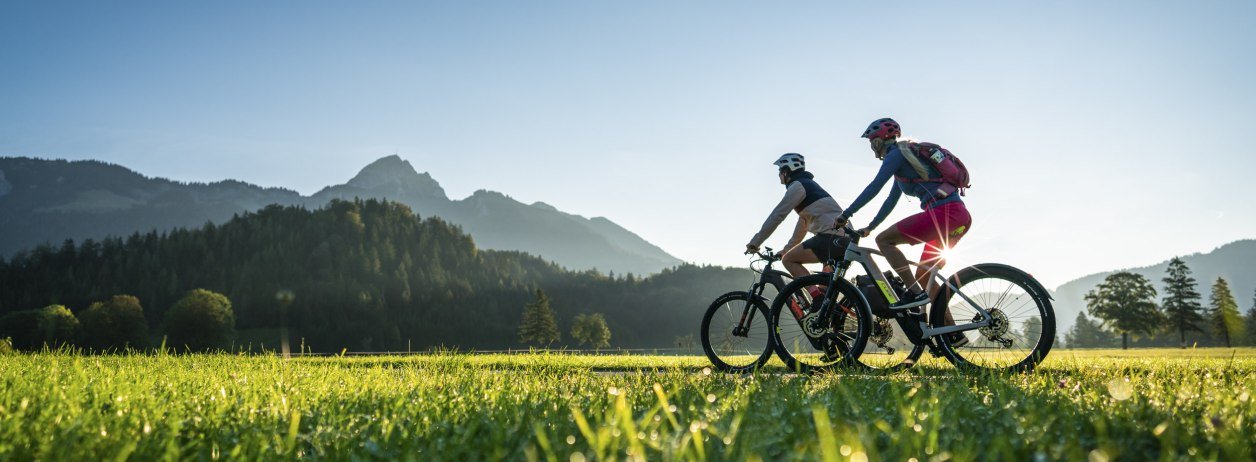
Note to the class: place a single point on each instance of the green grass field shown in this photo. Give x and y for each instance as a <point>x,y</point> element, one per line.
<point>1079,405</point>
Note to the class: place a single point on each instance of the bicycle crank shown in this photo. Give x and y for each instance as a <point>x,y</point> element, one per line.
<point>882,332</point>
<point>811,325</point>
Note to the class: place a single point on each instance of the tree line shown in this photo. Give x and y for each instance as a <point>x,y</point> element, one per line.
<point>362,275</point>
<point>201,320</point>
<point>1126,313</point>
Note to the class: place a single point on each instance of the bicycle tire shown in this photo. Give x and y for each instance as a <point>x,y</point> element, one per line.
<point>1018,298</point>
<point>798,351</point>
<point>726,352</point>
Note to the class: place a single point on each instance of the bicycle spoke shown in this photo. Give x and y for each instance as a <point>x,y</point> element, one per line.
<point>727,349</point>
<point>1014,310</point>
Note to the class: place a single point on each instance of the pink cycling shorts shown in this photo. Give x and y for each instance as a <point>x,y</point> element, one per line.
<point>939,228</point>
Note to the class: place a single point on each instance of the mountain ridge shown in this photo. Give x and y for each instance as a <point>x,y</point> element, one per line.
<point>1233,261</point>
<point>46,201</point>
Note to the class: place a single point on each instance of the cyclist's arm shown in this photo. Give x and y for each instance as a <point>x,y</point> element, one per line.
<point>800,231</point>
<point>794,195</point>
<point>886,207</point>
<point>893,160</point>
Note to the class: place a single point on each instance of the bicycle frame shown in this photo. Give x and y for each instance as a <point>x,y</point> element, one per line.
<point>767,276</point>
<point>863,256</point>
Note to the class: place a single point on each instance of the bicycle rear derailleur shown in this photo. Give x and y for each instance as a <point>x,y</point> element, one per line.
<point>882,332</point>
<point>997,330</point>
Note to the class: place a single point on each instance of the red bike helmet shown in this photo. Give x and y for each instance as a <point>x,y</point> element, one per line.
<point>883,128</point>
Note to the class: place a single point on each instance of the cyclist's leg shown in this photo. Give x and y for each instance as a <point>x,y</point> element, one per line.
<point>888,241</point>
<point>932,256</point>
<point>951,222</point>
<point>940,227</point>
<point>793,260</point>
<point>821,248</point>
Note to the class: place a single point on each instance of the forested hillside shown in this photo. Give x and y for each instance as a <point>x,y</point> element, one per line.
<point>1235,262</point>
<point>367,275</point>
<point>46,201</point>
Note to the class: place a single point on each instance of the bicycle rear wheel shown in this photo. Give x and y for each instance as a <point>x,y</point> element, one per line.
<point>1023,328</point>
<point>807,344</point>
<point>729,348</point>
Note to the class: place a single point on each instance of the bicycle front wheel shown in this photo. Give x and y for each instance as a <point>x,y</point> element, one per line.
<point>735,333</point>
<point>808,344</point>
<point>1022,327</point>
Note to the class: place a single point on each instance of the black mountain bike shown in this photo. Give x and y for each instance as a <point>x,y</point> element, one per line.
<point>736,334</point>
<point>821,321</point>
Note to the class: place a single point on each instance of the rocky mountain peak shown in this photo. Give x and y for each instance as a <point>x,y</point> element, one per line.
<point>396,174</point>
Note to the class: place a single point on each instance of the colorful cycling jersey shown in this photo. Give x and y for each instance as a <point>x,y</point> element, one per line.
<point>895,164</point>
<point>814,206</point>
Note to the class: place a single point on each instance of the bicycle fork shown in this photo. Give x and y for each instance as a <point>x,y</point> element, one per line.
<point>742,329</point>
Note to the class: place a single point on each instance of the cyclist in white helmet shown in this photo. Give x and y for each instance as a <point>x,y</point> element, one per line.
<point>817,213</point>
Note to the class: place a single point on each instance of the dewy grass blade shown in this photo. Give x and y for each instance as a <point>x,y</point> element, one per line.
<point>55,405</point>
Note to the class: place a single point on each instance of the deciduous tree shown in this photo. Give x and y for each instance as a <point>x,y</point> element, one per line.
<point>591,330</point>
<point>57,325</point>
<point>1127,302</point>
<point>113,324</point>
<point>201,320</point>
<point>22,328</point>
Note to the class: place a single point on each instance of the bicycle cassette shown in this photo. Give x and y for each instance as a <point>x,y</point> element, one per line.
<point>998,328</point>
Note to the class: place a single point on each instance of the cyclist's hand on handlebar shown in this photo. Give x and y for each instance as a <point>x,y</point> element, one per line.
<point>840,222</point>
<point>751,249</point>
<point>864,231</point>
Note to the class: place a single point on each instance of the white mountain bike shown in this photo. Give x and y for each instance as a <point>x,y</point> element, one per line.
<point>986,316</point>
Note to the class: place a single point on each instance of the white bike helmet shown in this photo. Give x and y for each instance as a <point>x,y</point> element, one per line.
<point>791,162</point>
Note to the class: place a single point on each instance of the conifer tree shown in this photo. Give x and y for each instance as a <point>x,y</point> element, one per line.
<point>1225,312</point>
<point>1126,301</point>
<point>1087,333</point>
<point>1250,335</point>
<point>1031,331</point>
<point>539,326</point>
<point>1181,300</point>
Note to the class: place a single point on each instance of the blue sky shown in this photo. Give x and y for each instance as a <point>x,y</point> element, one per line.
<point>1100,135</point>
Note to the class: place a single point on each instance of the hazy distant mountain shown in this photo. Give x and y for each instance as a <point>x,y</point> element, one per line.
<point>52,200</point>
<point>1236,262</point>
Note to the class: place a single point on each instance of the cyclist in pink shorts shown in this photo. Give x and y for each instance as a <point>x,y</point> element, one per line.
<point>942,223</point>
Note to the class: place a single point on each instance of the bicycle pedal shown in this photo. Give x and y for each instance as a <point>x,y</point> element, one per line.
<point>831,337</point>
<point>910,313</point>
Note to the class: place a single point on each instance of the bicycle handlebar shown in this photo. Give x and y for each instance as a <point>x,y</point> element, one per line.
<point>852,234</point>
<point>767,255</point>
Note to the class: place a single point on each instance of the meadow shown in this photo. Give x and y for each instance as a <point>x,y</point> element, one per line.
<point>1079,405</point>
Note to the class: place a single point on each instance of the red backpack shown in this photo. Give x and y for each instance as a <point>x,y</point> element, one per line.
<point>954,175</point>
